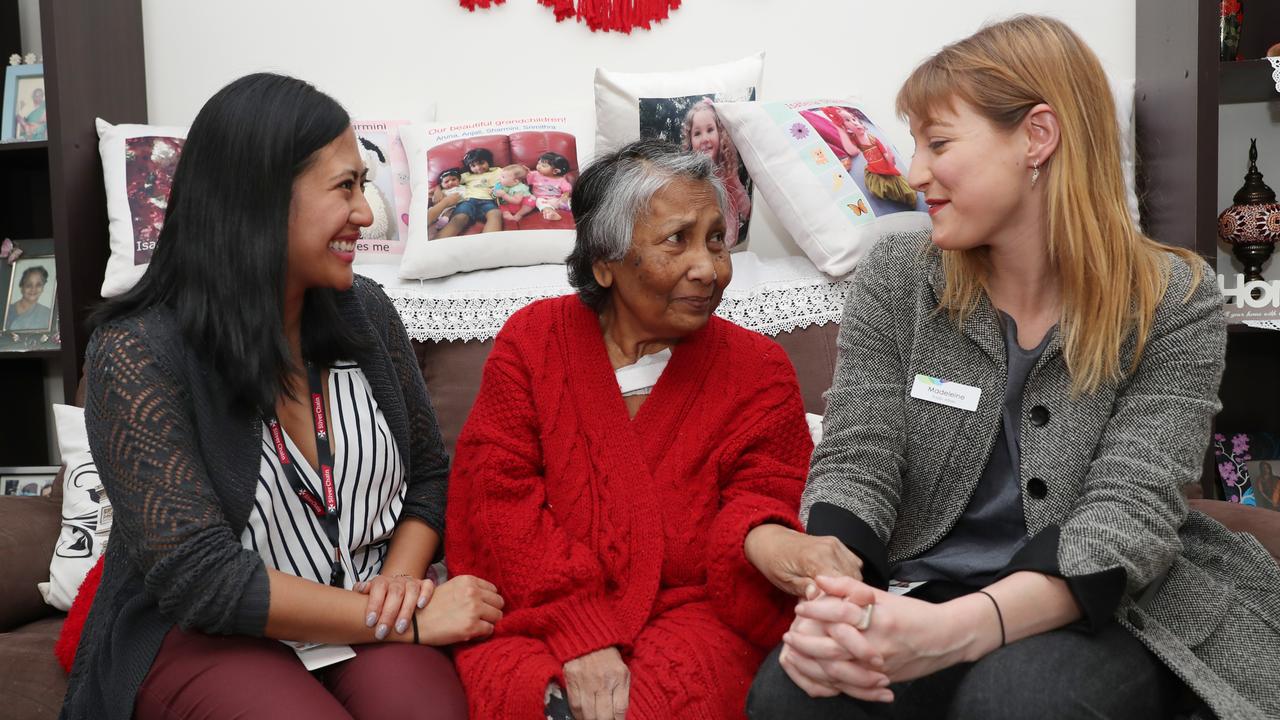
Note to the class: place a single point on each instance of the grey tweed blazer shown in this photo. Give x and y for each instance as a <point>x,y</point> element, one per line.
<point>1101,473</point>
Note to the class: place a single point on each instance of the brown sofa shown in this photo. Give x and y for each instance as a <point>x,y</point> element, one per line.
<point>31,682</point>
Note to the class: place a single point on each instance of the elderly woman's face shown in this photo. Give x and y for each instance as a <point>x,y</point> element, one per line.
<point>32,287</point>
<point>677,268</point>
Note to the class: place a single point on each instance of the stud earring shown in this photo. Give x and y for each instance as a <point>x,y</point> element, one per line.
<point>1035,172</point>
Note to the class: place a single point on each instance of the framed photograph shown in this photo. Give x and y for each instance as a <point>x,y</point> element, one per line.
<point>1249,468</point>
<point>35,481</point>
<point>29,311</point>
<point>26,117</point>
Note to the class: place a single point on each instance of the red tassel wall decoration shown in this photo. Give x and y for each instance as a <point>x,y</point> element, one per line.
<point>600,15</point>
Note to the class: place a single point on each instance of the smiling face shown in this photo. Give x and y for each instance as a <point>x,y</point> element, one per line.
<point>704,135</point>
<point>479,167</point>
<point>32,287</point>
<point>545,168</point>
<point>973,176</point>
<point>672,278</point>
<point>325,216</point>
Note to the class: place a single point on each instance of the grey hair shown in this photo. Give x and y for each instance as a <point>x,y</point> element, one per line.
<point>614,192</point>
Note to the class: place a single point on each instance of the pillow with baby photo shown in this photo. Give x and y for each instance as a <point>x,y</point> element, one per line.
<point>829,172</point>
<point>680,107</point>
<point>138,162</point>
<point>490,194</point>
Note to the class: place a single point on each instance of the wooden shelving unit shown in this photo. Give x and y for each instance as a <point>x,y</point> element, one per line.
<point>1181,84</point>
<point>93,67</point>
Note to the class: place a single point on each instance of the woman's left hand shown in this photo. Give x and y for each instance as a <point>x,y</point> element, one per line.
<point>913,637</point>
<point>393,599</point>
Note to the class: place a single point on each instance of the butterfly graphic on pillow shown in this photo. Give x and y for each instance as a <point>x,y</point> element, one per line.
<point>860,207</point>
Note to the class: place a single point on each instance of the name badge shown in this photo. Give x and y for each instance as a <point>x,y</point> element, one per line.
<point>945,392</point>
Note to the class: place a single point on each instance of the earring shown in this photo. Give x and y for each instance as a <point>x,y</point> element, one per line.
<point>1035,172</point>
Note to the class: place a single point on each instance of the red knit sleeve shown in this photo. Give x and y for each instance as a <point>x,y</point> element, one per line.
<point>763,472</point>
<point>501,530</point>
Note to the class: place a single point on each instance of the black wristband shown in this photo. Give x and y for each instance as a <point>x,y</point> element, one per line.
<point>415,627</point>
<point>999,616</point>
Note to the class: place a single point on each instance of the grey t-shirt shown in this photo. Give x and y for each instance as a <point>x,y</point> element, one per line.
<point>992,528</point>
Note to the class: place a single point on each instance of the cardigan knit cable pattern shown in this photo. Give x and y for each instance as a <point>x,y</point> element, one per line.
<point>181,466</point>
<point>1101,473</point>
<point>600,530</point>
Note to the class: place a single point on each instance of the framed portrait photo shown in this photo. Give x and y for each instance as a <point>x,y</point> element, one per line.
<point>29,308</point>
<point>26,117</point>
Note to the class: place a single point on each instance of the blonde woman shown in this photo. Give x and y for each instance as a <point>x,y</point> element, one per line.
<point>1018,400</point>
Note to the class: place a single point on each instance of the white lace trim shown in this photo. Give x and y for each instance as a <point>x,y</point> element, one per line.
<point>1275,72</point>
<point>769,308</point>
<point>1263,324</point>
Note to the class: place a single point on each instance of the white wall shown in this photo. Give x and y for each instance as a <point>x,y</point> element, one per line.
<point>394,56</point>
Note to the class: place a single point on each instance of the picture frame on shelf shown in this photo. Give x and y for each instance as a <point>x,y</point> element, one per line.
<point>26,117</point>
<point>29,313</point>
<point>33,481</point>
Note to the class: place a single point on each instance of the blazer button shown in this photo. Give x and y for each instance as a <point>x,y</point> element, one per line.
<point>1037,489</point>
<point>1039,415</point>
<point>1136,620</point>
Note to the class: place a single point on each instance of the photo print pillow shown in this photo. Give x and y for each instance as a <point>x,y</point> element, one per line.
<point>138,162</point>
<point>491,194</point>
<point>86,512</point>
<point>835,181</point>
<point>680,107</point>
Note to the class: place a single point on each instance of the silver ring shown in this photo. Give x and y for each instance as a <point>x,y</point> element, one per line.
<point>865,622</point>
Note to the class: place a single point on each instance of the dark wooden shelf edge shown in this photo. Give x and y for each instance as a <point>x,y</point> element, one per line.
<point>1246,81</point>
<point>28,354</point>
<point>42,145</point>
<point>1242,329</point>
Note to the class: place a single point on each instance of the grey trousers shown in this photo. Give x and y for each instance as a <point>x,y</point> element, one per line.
<point>1062,675</point>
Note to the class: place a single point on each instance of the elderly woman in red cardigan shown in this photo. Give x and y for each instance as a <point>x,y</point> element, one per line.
<point>624,444</point>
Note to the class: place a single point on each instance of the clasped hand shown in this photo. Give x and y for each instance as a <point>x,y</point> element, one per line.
<point>825,653</point>
<point>791,560</point>
<point>461,609</point>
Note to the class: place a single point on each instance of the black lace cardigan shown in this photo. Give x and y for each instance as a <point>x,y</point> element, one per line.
<point>181,467</point>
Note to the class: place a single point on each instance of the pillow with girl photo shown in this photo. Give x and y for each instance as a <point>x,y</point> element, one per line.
<point>490,194</point>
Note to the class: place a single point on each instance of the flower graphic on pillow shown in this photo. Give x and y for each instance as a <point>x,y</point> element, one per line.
<point>799,130</point>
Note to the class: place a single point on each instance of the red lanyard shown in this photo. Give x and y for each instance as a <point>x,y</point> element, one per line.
<point>326,512</point>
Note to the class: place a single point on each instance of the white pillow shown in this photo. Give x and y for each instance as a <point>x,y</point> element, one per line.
<point>86,512</point>
<point>138,162</point>
<point>544,232</point>
<point>137,168</point>
<point>676,106</point>
<point>815,427</point>
<point>795,151</point>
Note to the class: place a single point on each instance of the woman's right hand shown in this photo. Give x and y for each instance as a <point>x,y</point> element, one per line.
<point>792,560</point>
<point>464,608</point>
<point>599,685</point>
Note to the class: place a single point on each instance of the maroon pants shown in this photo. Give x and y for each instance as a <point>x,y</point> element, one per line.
<point>208,676</point>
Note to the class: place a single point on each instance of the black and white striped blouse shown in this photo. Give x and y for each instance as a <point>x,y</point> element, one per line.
<point>370,484</point>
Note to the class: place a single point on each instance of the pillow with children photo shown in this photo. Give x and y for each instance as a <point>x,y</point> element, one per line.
<point>829,172</point>
<point>691,122</point>
<point>490,194</point>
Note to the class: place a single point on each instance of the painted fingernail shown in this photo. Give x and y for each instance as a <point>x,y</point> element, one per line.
<point>402,625</point>
<point>422,602</point>
<point>381,632</point>
<point>370,619</point>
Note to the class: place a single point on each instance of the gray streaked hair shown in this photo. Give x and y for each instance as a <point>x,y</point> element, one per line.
<point>614,192</point>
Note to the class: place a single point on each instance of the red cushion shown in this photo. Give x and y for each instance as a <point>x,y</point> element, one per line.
<point>69,638</point>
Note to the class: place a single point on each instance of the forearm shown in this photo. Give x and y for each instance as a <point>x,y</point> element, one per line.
<point>1030,603</point>
<point>413,544</point>
<point>303,610</point>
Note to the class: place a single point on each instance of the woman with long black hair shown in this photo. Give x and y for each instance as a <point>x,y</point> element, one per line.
<point>272,457</point>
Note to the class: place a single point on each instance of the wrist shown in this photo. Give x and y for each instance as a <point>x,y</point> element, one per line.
<point>973,625</point>
<point>758,541</point>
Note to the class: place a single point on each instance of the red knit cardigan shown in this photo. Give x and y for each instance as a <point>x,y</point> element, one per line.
<point>600,530</point>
